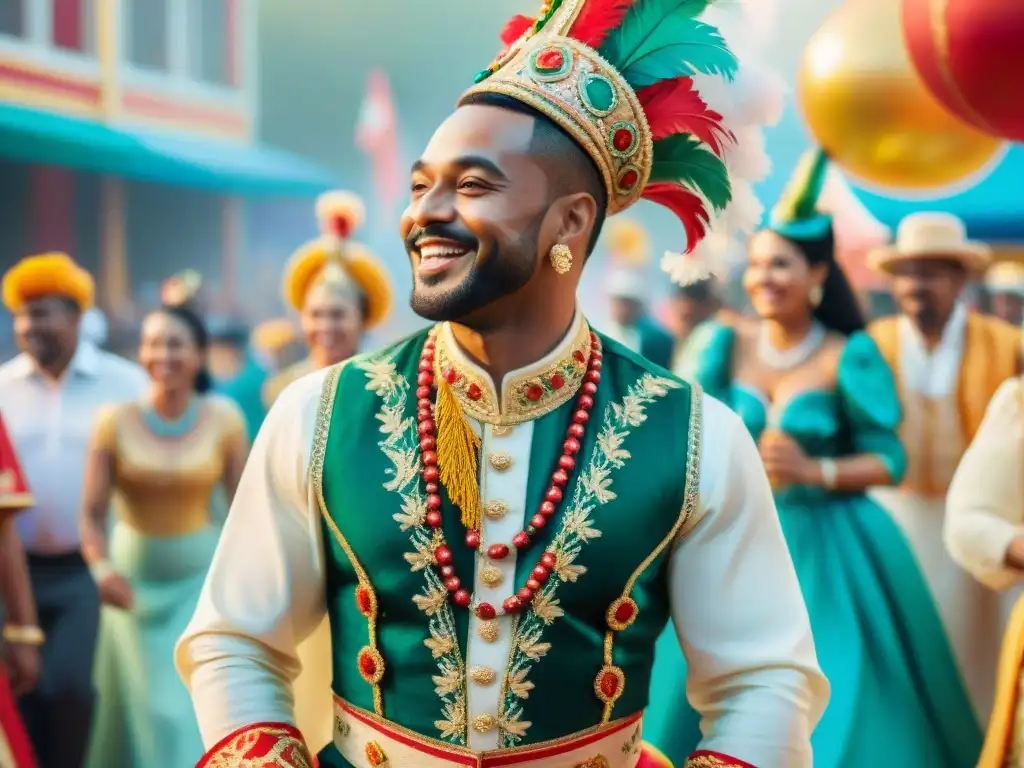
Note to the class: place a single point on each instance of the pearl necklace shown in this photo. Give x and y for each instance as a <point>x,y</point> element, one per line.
<point>788,359</point>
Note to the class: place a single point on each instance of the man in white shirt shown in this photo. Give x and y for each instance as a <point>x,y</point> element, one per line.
<point>948,362</point>
<point>49,395</point>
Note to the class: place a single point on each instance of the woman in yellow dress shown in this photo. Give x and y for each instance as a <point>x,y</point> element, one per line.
<point>338,288</point>
<point>340,292</point>
<point>984,533</point>
<point>158,459</point>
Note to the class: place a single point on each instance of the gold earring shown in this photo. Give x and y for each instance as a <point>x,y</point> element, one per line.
<point>561,258</point>
<point>815,295</point>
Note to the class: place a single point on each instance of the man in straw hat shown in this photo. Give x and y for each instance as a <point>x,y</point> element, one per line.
<point>948,362</point>
<point>49,396</point>
<point>1005,285</point>
<point>500,514</point>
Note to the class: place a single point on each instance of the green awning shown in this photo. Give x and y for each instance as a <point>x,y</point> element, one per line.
<point>36,136</point>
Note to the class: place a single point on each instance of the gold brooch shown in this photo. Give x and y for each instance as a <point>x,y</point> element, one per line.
<point>482,675</point>
<point>491,576</point>
<point>499,460</point>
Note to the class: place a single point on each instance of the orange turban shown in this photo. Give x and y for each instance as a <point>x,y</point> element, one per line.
<point>48,274</point>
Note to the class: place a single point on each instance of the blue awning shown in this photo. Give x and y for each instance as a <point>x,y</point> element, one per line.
<point>36,136</point>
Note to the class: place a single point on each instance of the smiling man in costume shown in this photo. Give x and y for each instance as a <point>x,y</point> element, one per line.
<point>498,559</point>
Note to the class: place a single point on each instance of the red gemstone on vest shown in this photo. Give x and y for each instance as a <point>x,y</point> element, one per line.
<point>497,551</point>
<point>557,381</point>
<point>628,180</point>
<point>486,611</point>
<point>579,357</point>
<point>367,664</point>
<point>625,611</point>
<point>451,375</point>
<point>551,59</point>
<point>535,392</point>
<point>609,684</point>
<point>474,392</point>
<point>364,600</point>
<point>622,140</point>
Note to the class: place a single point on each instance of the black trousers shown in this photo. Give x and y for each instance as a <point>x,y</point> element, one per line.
<point>58,712</point>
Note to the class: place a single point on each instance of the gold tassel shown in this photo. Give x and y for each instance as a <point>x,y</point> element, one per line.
<point>457,446</point>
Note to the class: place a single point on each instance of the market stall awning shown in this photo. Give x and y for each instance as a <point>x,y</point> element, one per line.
<point>36,136</point>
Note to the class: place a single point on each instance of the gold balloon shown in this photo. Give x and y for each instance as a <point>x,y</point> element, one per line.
<point>866,107</point>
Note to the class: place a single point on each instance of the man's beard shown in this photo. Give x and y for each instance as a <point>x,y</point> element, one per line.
<point>504,272</point>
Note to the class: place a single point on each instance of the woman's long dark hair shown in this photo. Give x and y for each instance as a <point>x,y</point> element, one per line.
<point>839,310</point>
<point>197,328</point>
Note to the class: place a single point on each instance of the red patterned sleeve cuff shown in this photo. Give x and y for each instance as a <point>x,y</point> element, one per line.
<point>705,759</point>
<point>278,744</point>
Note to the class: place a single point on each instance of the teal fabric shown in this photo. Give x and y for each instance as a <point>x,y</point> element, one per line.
<point>656,344</point>
<point>145,717</point>
<point>246,390</point>
<point>897,696</point>
<point>38,136</point>
<point>627,494</point>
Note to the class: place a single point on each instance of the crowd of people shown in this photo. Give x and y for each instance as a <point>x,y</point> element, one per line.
<point>772,537</point>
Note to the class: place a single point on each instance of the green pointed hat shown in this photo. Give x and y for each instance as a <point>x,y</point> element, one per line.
<point>796,215</point>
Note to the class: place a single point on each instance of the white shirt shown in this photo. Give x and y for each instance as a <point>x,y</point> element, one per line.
<point>932,373</point>
<point>736,602</point>
<point>51,424</point>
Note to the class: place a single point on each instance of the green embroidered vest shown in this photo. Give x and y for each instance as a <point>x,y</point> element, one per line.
<point>399,646</point>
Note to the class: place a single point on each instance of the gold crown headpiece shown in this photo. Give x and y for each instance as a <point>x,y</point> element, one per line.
<point>619,76</point>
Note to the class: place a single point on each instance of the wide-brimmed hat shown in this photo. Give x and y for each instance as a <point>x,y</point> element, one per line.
<point>931,236</point>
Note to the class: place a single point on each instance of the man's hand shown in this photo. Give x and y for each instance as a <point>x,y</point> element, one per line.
<point>22,663</point>
<point>116,592</point>
<point>785,462</point>
<point>1015,554</point>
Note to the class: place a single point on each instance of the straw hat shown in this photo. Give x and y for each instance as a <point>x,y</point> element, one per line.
<point>1006,277</point>
<point>931,236</point>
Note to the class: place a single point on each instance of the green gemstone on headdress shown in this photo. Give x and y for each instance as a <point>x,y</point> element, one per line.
<point>598,94</point>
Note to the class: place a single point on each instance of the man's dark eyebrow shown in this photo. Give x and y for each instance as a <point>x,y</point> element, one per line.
<point>470,161</point>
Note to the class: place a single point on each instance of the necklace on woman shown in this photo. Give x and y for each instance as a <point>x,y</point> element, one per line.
<point>787,359</point>
<point>171,428</point>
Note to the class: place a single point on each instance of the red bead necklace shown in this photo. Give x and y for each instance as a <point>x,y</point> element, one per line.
<point>427,431</point>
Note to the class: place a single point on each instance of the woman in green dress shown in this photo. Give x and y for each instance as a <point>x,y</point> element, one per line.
<point>814,390</point>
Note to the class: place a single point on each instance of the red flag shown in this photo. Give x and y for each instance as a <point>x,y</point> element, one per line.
<point>377,136</point>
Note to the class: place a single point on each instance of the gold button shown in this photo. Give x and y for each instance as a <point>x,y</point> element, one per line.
<point>495,509</point>
<point>484,723</point>
<point>501,430</point>
<point>482,675</point>
<point>488,630</point>
<point>499,460</point>
<point>491,576</point>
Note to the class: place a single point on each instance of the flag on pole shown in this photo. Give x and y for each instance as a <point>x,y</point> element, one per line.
<point>377,136</point>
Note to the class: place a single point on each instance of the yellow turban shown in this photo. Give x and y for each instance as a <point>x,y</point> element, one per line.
<point>48,274</point>
<point>340,214</point>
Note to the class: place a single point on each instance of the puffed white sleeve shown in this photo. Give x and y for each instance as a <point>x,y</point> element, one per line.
<point>264,593</point>
<point>985,503</point>
<point>739,613</point>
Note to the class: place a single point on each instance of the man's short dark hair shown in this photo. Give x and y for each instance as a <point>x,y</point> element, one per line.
<point>572,169</point>
<point>702,291</point>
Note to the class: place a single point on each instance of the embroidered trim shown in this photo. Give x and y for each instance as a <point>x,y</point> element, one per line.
<point>400,443</point>
<point>691,493</point>
<point>705,759</point>
<point>529,394</point>
<point>364,594</point>
<point>592,490</point>
<point>262,745</point>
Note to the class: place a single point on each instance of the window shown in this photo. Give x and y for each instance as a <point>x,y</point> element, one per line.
<point>72,25</point>
<point>147,26</point>
<point>211,40</point>
<point>12,18</point>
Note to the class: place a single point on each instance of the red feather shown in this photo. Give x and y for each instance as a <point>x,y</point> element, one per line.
<point>515,28</point>
<point>673,106</point>
<point>597,19</point>
<point>688,207</point>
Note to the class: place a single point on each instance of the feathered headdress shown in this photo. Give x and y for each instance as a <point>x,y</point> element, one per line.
<point>621,77</point>
<point>181,289</point>
<point>796,214</point>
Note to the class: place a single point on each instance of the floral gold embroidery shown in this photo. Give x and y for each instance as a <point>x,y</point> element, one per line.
<point>261,748</point>
<point>484,723</point>
<point>400,443</point>
<point>495,509</point>
<point>711,761</point>
<point>592,489</point>
<point>500,461</point>
<point>527,395</point>
<point>632,744</point>
<point>364,594</point>
<point>482,675</point>
<point>488,630</point>
<point>600,761</point>
<point>375,755</point>
<point>491,576</point>
<point>623,611</point>
<point>500,430</point>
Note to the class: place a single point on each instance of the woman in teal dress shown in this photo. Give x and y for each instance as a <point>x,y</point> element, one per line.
<point>816,393</point>
<point>158,460</point>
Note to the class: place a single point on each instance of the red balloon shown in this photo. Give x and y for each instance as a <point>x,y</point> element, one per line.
<point>970,55</point>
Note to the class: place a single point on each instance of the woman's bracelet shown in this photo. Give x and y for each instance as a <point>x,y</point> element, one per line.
<point>829,473</point>
<point>23,635</point>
